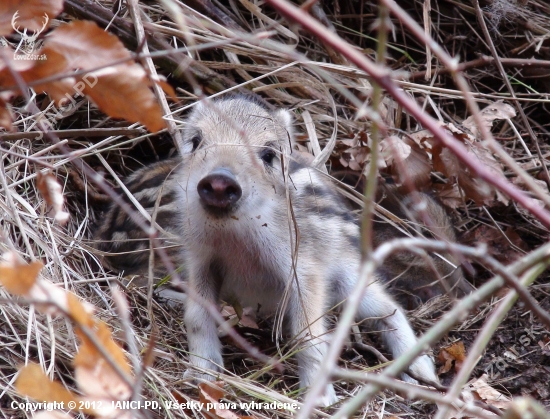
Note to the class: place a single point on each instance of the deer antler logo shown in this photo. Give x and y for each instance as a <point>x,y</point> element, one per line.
<point>28,40</point>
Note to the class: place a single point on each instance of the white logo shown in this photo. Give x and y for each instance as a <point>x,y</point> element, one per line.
<point>28,40</point>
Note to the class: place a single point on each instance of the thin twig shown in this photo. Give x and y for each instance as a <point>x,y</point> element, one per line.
<point>485,61</point>
<point>409,391</point>
<point>73,133</point>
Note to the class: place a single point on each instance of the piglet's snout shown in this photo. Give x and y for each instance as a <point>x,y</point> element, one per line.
<point>219,189</point>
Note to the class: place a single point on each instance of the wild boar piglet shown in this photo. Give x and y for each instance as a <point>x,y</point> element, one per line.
<point>252,224</point>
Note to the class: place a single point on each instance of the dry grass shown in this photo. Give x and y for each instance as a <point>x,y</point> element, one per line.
<point>326,89</point>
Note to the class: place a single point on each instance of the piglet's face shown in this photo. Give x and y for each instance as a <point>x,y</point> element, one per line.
<point>234,156</point>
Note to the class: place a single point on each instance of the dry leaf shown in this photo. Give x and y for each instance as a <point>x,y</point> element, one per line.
<point>248,318</point>
<point>422,138</point>
<point>360,154</point>
<point>104,337</point>
<point>79,313</point>
<point>61,91</point>
<point>166,87</point>
<point>5,116</point>
<point>449,194</point>
<point>53,300</point>
<point>498,242</point>
<point>210,394</point>
<point>124,93</point>
<point>446,162</point>
<point>9,64</point>
<point>394,148</point>
<point>33,383</point>
<point>17,276</point>
<point>121,88</point>
<point>454,353</point>
<point>355,154</point>
<point>30,14</point>
<point>457,412</point>
<point>408,163</point>
<point>489,114</point>
<point>474,188</point>
<point>488,394</point>
<point>94,375</point>
<point>52,192</point>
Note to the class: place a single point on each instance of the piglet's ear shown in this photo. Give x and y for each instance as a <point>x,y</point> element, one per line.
<point>285,118</point>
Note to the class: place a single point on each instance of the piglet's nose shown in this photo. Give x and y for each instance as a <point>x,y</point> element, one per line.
<point>219,189</point>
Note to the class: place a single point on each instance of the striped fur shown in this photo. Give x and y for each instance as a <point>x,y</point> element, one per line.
<point>125,246</point>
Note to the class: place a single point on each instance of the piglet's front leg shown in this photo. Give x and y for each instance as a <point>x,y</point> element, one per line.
<point>205,350</point>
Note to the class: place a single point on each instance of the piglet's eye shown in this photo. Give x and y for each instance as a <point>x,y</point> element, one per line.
<point>195,141</point>
<point>267,156</point>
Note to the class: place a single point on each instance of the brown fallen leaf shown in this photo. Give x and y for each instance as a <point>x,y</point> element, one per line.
<point>407,163</point>
<point>248,318</point>
<point>30,14</point>
<point>447,163</point>
<point>52,192</point>
<point>120,90</point>
<point>444,160</point>
<point>118,86</point>
<point>17,276</point>
<point>449,194</point>
<point>454,353</point>
<point>474,188</point>
<point>392,148</point>
<point>33,382</point>
<point>79,312</point>
<point>210,394</point>
<point>488,394</point>
<point>491,113</point>
<point>95,377</point>
<point>498,242</point>
<point>8,64</point>
<point>124,93</point>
